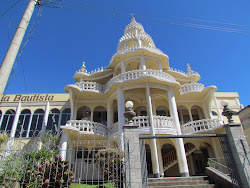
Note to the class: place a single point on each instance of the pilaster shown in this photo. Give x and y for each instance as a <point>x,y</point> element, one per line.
<point>133,150</point>
<point>240,150</point>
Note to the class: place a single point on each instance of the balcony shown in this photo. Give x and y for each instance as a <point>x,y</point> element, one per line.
<point>121,78</point>
<point>139,74</point>
<point>162,124</point>
<point>86,127</point>
<point>192,87</point>
<point>199,126</point>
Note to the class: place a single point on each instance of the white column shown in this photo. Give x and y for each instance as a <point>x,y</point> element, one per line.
<point>181,115</point>
<point>153,108</point>
<point>75,112</point>
<point>29,125</point>
<point>64,143</point>
<point>121,118</point>
<point>160,158</point>
<point>45,118</point>
<point>190,115</point>
<point>218,109</point>
<point>180,150</point>
<point>156,169</point>
<point>92,115</point>
<point>11,54</point>
<point>216,150</point>
<point>123,66</point>
<point>109,114</point>
<point>59,123</point>
<point>15,122</point>
<point>205,112</point>
<point>160,66</point>
<point>13,129</point>
<point>143,63</point>
<point>1,120</point>
<point>72,104</point>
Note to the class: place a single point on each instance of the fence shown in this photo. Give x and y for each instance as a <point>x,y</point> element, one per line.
<point>91,161</point>
<point>216,163</point>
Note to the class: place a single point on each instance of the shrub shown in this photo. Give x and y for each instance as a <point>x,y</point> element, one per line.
<point>111,160</point>
<point>36,169</point>
<point>3,138</point>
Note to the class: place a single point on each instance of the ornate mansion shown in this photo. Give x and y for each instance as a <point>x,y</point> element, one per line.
<point>166,102</point>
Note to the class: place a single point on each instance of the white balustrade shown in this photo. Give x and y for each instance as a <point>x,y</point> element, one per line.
<point>201,126</point>
<point>127,76</point>
<point>191,87</point>
<point>163,122</point>
<point>132,36</point>
<point>85,126</point>
<point>183,73</point>
<point>137,47</point>
<point>89,86</point>
<point>137,74</point>
<point>141,121</point>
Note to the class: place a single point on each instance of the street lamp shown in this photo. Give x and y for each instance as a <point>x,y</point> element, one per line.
<point>227,111</point>
<point>129,113</point>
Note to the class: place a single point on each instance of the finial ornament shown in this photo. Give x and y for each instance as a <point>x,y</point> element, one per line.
<point>83,68</point>
<point>189,70</point>
<point>129,113</point>
<point>227,111</point>
<point>132,16</point>
<point>83,65</point>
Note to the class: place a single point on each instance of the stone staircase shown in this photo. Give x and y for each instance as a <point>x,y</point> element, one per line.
<point>170,159</point>
<point>180,182</point>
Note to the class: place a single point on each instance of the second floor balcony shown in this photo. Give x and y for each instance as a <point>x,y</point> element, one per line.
<point>86,127</point>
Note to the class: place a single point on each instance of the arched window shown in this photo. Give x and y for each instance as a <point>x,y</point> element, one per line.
<point>197,113</point>
<point>65,116</point>
<point>37,122</point>
<point>8,120</point>
<point>162,111</point>
<point>183,114</point>
<point>83,113</point>
<point>23,123</point>
<point>100,115</point>
<point>141,111</point>
<point>115,117</point>
<point>53,119</point>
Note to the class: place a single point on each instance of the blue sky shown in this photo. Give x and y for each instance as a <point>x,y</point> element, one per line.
<point>84,30</point>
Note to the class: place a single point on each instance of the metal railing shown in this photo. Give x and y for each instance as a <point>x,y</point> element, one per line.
<point>216,163</point>
<point>38,162</point>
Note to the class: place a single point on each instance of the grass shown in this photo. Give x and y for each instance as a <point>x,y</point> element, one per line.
<point>106,185</point>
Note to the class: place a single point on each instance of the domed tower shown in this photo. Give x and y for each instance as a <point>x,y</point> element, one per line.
<point>165,99</point>
<point>136,42</point>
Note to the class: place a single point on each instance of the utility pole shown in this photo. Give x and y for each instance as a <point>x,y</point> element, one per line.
<point>13,49</point>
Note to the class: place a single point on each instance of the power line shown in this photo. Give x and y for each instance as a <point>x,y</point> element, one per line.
<point>150,13</point>
<point>171,22</point>
<point>31,32</point>
<point>11,7</point>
